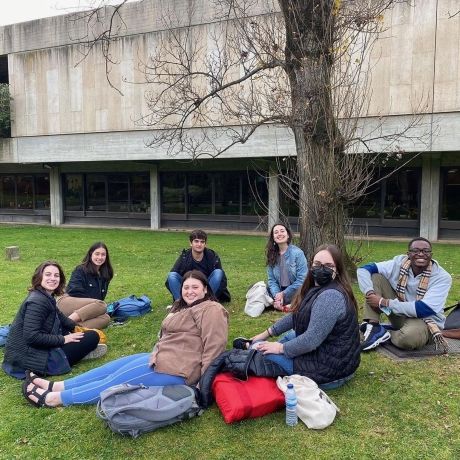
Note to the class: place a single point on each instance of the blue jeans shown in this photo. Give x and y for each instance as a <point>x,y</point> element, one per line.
<point>288,364</point>
<point>282,360</point>
<point>86,388</point>
<point>175,281</point>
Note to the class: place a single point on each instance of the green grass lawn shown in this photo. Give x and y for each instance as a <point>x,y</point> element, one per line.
<point>408,410</point>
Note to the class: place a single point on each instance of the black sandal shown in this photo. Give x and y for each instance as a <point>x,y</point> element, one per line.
<point>41,398</point>
<point>30,377</point>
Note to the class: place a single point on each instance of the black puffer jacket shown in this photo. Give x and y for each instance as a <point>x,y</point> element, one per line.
<point>242,364</point>
<point>86,285</point>
<point>30,335</point>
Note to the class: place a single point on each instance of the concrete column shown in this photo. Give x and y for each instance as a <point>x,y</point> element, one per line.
<point>429,205</point>
<point>155,205</point>
<point>56,198</point>
<point>273,198</point>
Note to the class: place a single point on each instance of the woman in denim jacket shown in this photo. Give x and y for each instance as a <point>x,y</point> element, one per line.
<point>286,266</point>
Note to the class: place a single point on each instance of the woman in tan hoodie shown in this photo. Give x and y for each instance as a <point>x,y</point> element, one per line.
<point>192,335</point>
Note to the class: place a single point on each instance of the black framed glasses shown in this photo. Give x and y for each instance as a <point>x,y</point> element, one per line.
<point>320,265</point>
<point>424,251</point>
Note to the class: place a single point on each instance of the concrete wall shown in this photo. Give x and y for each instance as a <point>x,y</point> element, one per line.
<point>415,68</point>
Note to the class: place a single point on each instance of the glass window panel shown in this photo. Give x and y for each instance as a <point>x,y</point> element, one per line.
<point>118,193</point>
<point>254,194</point>
<point>25,192</point>
<point>227,193</point>
<point>199,192</point>
<point>451,196</point>
<point>73,192</point>
<point>289,204</point>
<point>368,206</point>
<point>402,195</point>
<point>140,193</point>
<point>96,192</point>
<point>42,192</point>
<point>7,192</point>
<point>173,193</point>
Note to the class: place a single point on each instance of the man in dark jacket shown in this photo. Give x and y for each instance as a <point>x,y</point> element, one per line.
<point>200,258</point>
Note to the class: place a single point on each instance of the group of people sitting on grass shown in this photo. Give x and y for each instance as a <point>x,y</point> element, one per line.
<point>319,334</point>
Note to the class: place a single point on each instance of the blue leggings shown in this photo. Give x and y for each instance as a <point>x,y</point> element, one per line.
<point>86,388</point>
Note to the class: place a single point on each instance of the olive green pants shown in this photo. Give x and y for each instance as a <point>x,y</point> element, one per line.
<point>410,333</point>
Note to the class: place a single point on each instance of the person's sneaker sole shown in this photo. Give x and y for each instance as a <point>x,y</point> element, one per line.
<point>380,340</point>
<point>99,351</point>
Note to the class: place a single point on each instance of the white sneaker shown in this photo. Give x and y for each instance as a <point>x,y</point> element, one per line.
<point>99,351</point>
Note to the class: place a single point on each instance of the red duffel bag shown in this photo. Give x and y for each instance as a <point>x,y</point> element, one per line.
<point>242,399</point>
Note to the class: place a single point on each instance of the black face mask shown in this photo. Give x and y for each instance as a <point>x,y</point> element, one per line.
<point>322,275</point>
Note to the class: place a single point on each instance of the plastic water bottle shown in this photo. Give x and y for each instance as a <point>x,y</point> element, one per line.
<point>291,406</point>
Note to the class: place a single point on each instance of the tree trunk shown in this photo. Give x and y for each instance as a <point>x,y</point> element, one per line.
<point>309,65</point>
<point>321,213</point>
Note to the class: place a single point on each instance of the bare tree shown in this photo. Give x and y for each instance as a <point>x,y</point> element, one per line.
<point>299,63</point>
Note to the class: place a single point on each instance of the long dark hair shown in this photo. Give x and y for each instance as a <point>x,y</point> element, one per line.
<point>37,277</point>
<point>196,275</point>
<point>272,250</point>
<point>105,270</point>
<point>341,277</point>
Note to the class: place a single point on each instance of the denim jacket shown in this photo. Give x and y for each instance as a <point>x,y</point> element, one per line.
<point>296,264</point>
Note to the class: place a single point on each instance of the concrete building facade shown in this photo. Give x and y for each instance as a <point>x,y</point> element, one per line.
<point>77,156</point>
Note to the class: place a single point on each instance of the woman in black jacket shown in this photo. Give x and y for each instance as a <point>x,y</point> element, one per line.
<point>41,338</point>
<point>87,288</point>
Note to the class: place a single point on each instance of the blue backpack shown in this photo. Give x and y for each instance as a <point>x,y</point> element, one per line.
<point>4,330</point>
<point>129,306</point>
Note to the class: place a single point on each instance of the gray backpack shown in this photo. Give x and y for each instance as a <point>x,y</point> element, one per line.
<point>136,409</point>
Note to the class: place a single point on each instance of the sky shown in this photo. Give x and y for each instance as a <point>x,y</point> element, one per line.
<point>12,11</point>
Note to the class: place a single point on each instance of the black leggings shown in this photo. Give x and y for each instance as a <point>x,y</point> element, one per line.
<point>76,351</point>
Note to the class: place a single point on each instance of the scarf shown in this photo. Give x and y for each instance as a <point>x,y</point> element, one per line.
<point>433,328</point>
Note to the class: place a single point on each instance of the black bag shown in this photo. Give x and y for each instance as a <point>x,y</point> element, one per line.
<point>453,318</point>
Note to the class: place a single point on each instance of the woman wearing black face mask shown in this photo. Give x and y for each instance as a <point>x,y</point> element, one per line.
<point>322,335</point>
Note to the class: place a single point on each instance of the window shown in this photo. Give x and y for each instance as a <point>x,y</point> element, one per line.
<point>402,195</point>
<point>140,193</point>
<point>123,193</point>
<point>368,206</point>
<point>73,192</point>
<point>25,192</point>
<point>173,193</point>
<point>396,197</point>
<point>254,199</point>
<point>289,204</point>
<point>227,193</point>
<point>450,209</point>
<point>118,193</point>
<point>42,192</point>
<point>96,192</point>
<point>199,192</point>
<point>7,192</point>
